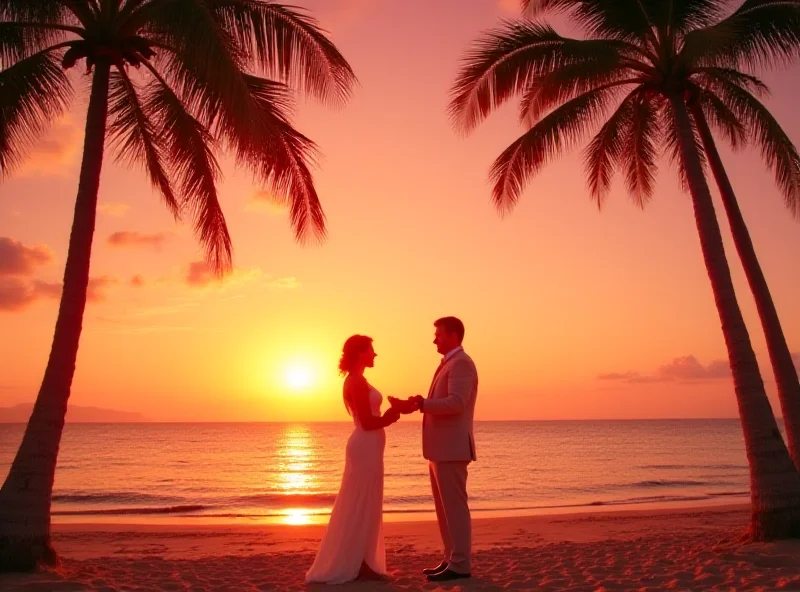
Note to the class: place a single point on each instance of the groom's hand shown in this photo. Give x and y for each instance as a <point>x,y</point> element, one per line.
<point>404,406</point>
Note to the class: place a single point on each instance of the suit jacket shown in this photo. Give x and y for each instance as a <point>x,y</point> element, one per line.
<point>447,433</point>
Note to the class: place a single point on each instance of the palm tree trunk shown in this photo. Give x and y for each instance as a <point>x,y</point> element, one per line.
<point>26,494</point>
<point>779,354</point>
<point>774,480</point>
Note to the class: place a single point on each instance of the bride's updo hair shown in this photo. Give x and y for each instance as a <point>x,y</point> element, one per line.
<point>352,348</point>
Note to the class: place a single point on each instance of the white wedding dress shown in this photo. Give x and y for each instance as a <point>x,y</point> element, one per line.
<point>355,531</point>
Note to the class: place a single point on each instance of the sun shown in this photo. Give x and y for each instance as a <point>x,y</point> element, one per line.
<point>298,377</point>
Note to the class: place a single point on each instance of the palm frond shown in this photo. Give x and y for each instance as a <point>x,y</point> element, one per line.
<point>136,138</point>
<point>720,117</point>
<point>217,97</point>
<point>287,44</point>
<point>503,62</point>
<point>713,74</point>
<point>188,145</point>
<point>201,62</point>
<point>33,91</point>
<point>629,20</point>
<point>604,152</point>
<point>279,156</point>
<point>760,33</point>
<point>680,16</point>
<point>20,40</point>
<point>51,11</point>
<point>639,156</point>
<point>571,80</point>
<point>777,149</point>
<point>557,131</point>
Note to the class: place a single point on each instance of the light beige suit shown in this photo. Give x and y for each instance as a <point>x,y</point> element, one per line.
<point>448,443</point>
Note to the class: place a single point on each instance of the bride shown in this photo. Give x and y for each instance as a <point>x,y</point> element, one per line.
<point>353,544</point>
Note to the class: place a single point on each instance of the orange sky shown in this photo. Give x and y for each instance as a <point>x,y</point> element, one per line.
<point>570,312</point>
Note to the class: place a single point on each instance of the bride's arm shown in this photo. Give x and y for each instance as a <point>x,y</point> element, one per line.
<point>357,391</point>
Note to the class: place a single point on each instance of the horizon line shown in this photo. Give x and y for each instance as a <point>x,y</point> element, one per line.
<point>588,419</point>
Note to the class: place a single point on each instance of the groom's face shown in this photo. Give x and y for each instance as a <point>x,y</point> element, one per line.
<point>444,340</point>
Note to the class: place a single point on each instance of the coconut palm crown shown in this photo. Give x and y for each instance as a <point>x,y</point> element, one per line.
<point>647,74</point>
<point>172,84</point>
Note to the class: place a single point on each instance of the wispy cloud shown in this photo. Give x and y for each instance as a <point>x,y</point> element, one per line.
<point>283,283</point>
<point>18,259</point>
<point>510,7</point>
<point>200,275</point>
<point>114,210</point>
<point>683,369</point>
<point>18,293</point>
<point>131,238</point>
<point>96,291</point>
<point>265,201</point>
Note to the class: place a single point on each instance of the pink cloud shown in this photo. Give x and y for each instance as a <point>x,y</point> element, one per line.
<point>125,238</point>
<point>511,7</point>
<point>115,210</point>
<point>683,369</point>
<point>17,259</point>
<point>265,201</point>
<point>18,293</point>
<point>199,275</point>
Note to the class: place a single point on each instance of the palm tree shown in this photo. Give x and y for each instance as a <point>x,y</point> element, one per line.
<point>750,36</point>
<point>207,75</point>
<point>645,62</point>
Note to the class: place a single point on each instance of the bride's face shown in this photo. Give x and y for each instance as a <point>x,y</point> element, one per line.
<point>368,357</point>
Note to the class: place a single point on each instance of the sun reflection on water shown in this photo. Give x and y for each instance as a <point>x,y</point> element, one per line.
<point>297,517</point>
<point>297,477</point>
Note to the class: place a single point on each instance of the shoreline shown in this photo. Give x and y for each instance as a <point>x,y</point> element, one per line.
<point>305,516</point>
<point>686,548</point>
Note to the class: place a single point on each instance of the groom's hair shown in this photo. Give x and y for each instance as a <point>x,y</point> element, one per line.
<point>451,325</point>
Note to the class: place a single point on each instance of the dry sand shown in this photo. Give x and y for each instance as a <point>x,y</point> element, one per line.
<point>668,549</point>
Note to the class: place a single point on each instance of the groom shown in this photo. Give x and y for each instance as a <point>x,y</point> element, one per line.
<point>448,444</point>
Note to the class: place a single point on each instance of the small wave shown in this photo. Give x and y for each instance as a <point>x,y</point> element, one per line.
<point>284,499</point>
<point>681,467</point>
<point>132,511</point>
<point>115,497</point>
<point>670,483</point>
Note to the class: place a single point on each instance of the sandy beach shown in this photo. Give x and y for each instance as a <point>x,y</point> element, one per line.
<point>667,549</point>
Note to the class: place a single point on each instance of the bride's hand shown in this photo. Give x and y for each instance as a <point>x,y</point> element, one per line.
<point>404,406</point>
<point>392,414</point>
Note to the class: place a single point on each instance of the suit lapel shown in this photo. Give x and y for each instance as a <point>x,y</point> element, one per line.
<point>439,371</point>
<point>436,376</point>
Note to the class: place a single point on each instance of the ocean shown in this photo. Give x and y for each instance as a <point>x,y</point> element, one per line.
<point>271,472</point>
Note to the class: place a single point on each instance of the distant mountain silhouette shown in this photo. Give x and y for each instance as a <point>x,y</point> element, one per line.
<point>75,414</point>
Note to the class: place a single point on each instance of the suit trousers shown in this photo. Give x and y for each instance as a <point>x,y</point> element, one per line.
<point>449,485</point>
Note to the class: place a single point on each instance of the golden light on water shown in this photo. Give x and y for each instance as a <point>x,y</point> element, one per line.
<point>297,478</point>
<point>297,517</point>
<point>297,464</point>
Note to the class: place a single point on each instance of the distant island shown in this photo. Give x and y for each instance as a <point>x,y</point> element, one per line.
<point>75,414</point>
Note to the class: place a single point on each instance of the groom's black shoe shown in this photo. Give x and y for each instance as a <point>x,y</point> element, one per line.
<point>429,571</point>
<point>447,575</point>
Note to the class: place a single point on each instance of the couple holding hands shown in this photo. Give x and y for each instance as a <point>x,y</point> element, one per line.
<point>353,544</point>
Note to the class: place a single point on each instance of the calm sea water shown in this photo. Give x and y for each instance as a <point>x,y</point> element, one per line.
<point>291,472</point>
